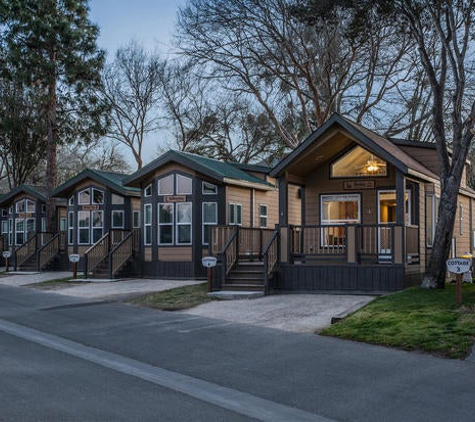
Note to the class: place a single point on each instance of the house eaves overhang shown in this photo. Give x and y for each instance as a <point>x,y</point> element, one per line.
<point>251,185</point>
<point>68,187</point>
<point>9,197</point>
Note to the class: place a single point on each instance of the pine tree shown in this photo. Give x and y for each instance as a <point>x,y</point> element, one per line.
<point>50,47</point>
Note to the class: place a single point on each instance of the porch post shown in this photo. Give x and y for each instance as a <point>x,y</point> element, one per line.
<point>351,254</point>
<point>283,200</point>
<point>284,243</point>
<point>399,232</point>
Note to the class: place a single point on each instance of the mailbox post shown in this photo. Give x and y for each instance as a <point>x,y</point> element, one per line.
<point>74,258</point>
<point>6,256</point>
<point>209,262</point>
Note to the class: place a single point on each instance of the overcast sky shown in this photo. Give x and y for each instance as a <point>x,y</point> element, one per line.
<point>150,22</point>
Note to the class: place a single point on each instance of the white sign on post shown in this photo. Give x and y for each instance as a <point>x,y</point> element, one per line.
<point>74,257</point>
<point>458,265</point>
<point>6,254</point>
<point>209,261</point>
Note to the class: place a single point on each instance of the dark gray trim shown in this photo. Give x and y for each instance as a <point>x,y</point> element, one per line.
<point>283,201</point>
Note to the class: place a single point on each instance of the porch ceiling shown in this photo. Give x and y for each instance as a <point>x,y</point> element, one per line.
<point>320,152</point>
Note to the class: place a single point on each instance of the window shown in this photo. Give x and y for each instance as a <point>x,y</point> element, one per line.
<point>4,226</point>
<point>117,219</point>
<point>43,208</point>
<point>358,162</point>
<point>263,215</point>
<point>183,185</point>
<point>97,225</point>
<point>30,206</point>
<point>461,218</point>
<point>19,231</point>
<point>84,223</point>
<point>84,197</point>
<point>97,196</point>
<point>340,209</point>
<point>30,227</point>
<point>209,189</point>
<point>183,223</point>
<point>70,228</point>
<point>147,212</point>
<point>148,190</point>
<point>20,207</point>
<point>235,214</point>
<point>71,200</point>
<point>432,204</point>
<point>165,185</point>
<point>4,213</point>
<point>117,199</point>
<point>165,224</point>
<point>10,231</point>
<point>210,218</point>
<point>62,224</point>
<point>43,224</point>
<point>136,216</point>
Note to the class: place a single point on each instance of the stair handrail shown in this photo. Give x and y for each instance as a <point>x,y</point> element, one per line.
<point>270,257</point>
<point>48,251</point>
<point>121,253</point>
<point>25,251</point>
<point>96,254</point>
<point>229,254</point>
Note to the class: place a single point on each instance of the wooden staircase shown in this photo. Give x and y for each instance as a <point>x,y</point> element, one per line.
<point>246,276</point>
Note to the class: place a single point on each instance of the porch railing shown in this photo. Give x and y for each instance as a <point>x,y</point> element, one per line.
<point>50,250</point>
<point>120,254</point>
<point>96,254</point>
<point>229,254</point>
<point>26,251</point>
<point>371,243</point>
<point>271,258</point>
<point>251,240</point>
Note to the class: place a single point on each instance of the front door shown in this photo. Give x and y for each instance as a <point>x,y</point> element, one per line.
<point>387,219</point>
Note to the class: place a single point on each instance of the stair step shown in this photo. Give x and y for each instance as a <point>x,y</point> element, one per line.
<point>243,287</point>
<point>253,281</point>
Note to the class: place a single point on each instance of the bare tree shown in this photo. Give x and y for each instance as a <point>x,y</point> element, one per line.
<point>131,86</point>
<point>298,71</point>
<point>221,125</point>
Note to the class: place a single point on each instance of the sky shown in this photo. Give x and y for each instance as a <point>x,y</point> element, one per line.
<point>149,22</point>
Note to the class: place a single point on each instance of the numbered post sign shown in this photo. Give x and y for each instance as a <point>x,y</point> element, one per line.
<point>74,257</point>
<point>458,265</point>
<point>6,254</point>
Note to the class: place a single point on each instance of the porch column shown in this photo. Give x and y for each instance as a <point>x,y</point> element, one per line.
<point>283,200</point>
<point>399,233</point>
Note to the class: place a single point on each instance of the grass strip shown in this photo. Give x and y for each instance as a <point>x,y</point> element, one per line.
<point>415,319</point>
<point>175,299</point>
<point>58,283</point>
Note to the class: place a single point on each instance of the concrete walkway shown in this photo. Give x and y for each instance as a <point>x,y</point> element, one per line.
<point>304,313</point>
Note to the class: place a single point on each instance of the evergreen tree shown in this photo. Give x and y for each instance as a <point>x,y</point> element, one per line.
<point>50,47</point>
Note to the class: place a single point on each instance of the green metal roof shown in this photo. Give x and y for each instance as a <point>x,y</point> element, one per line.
<point>38,192</point>
<point>211,167</point>
<point>113,181</point>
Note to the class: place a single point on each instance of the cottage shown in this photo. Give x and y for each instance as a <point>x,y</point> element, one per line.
<point>101,214</point>
<point>184,196</point>
<point>358,211</point>
<point>23,224</point>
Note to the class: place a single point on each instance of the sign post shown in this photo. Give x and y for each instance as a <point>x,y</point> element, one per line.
<point>74,258</point>
<point>6,255</point>
<point>209,262</point>
<point>458,266</point>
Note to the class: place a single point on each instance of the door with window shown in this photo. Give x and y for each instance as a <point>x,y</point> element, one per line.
<point>387,219</point>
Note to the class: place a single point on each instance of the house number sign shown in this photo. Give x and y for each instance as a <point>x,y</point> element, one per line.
<point>458,265</point>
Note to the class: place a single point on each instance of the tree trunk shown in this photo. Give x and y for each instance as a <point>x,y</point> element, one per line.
<point>436,270</point>
<point>51,161</point>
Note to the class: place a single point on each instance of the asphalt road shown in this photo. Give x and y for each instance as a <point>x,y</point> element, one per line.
<point>62,358</point>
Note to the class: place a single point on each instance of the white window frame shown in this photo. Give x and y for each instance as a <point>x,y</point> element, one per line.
<point>264,216</point>
<point>84,228</point>
<point>147,222</point>
<point>182,224</point>
<point>117,212</point>
<point>71,228</point>
<point>93,201</point>
<point>159,185</point>
<point>171,224</point>
<point>461,218</point>
<point>235,217</point>
<point>210,186</point>
<point>71,200</point>
<point>147,191</point>
<point>136,219</point>
<point>80,201</point>
<point>432,223</point>
<point>185,178</point>
<point>10,231</point>
<point>17,207</point>
<point>96,228</point>
<point>4,226</point>
<point>30,206</point>
<point>340,198</point>
<point>207,224</point>
<point>19,221</point>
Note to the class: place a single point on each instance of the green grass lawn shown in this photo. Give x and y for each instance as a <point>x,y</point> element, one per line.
<point>415,319</point>
<point>175,299</point>
<point>59,283</point>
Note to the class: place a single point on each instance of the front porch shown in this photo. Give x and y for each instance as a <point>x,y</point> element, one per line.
<point>366,258</point>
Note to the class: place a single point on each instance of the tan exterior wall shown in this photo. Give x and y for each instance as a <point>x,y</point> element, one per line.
<point>172,167</point>
<point>294,205</point>
<point>87,183</point>
<point>177,254</point>
<point>462,230</point>
<point>147,254</point>
<point>238,195</point>
<point>271,199</point>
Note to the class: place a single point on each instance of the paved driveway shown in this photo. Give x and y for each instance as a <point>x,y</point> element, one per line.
<point>291,312</point>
